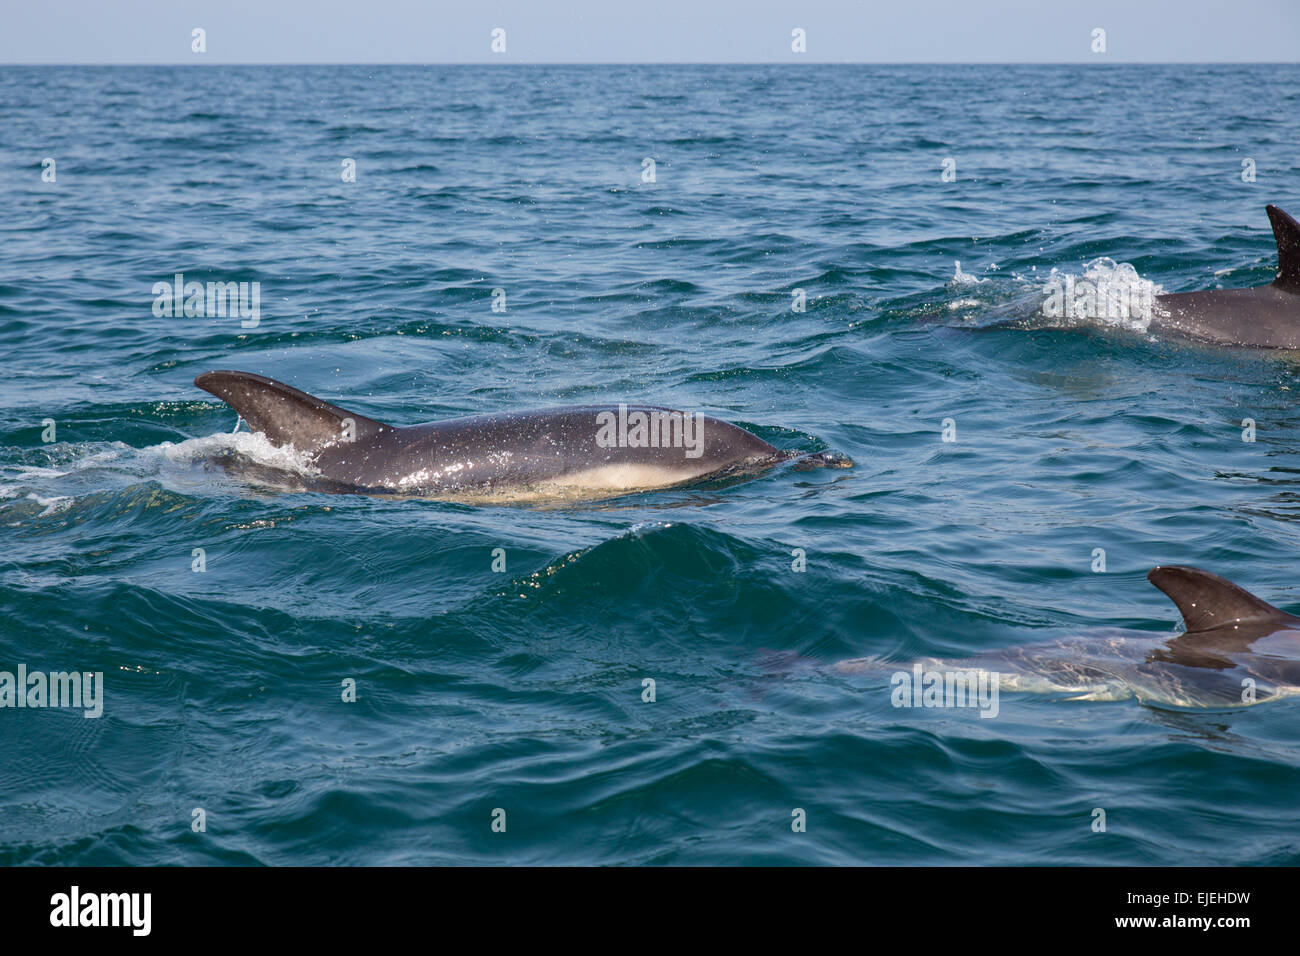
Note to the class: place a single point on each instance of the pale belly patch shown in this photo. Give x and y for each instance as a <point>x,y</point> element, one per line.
<point>601,481</point>
<point>627,477</point>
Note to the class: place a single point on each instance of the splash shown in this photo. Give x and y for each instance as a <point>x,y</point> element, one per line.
<point>252,447</point>
<point>963,279</point>
<point>1107,293</point>
<point>93,468</point>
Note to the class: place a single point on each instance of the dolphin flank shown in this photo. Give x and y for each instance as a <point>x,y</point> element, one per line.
<point>1266,316</point>
<point>585,451</point>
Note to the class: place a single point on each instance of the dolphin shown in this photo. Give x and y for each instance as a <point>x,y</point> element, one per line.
<point>1265,316</point>
<point>1236,649</point>
<point>583,451</point>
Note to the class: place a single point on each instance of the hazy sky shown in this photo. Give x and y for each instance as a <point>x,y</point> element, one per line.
<point>622,31</point>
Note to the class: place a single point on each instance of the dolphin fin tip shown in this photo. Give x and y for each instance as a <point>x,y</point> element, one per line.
<point>215,378</point>
<point>205,379</point>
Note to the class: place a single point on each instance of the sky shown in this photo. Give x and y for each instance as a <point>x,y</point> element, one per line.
<point>648,31</point>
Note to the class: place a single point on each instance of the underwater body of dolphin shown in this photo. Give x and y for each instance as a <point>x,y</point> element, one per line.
<point>1266,316</point>
<point>1237,650</point>
<point>587,451</point>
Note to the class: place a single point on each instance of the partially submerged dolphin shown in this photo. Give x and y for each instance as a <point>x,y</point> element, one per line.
<point>586,451</point>
<point>1236,650</point>
<point>1266,316</point>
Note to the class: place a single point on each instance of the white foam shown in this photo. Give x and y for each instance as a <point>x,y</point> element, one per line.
<point>95,467</point>
<point>251,445</point>
<point>32,472</point>
<point>1106,293</point>
<point>52,505</point>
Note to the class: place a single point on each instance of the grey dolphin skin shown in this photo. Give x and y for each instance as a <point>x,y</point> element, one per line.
<point>1266,316</point>
<point>1222,619</point>
<point>587,451</point>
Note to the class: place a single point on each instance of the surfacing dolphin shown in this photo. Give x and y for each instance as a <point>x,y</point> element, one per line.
<point>1265,316</point>
<point>574,452</point>
<point>1237,650</point>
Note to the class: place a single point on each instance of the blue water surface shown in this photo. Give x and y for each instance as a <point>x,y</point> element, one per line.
<point>522,690</point>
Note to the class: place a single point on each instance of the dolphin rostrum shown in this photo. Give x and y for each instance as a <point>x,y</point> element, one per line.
<point>585,451</point>
<point>1236,649</point>
<point>1265,316</point>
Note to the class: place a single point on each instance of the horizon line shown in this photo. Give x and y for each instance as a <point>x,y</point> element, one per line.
<point>201,63</point>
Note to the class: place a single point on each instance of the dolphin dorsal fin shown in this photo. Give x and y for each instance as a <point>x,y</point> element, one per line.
<point>1287,233</point>
<point>1208,601</point>
<point>285,415</point>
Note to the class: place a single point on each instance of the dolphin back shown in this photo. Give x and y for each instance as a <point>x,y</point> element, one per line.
<point>1207,601</point>
<point>285,415</point>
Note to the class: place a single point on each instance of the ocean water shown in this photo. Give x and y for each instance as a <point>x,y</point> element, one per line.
<point>520,691</point>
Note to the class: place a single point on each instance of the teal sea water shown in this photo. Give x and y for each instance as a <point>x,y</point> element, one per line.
<point>522,690</point>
